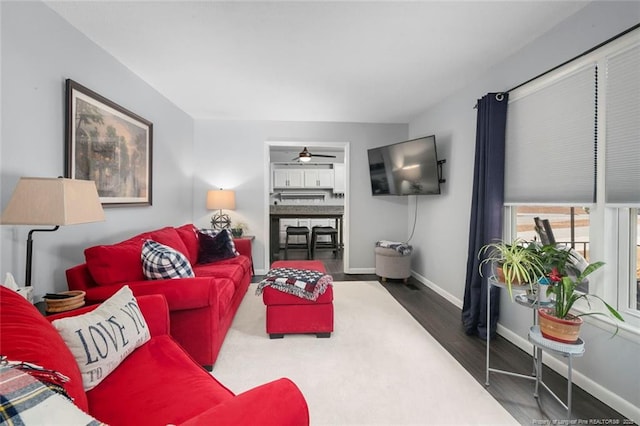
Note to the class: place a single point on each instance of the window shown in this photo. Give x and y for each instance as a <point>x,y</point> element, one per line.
<point>570,226</point>
<point>634,261</point>
<point>573,157</point>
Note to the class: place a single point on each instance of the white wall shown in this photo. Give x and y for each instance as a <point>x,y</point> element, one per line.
<point>39,51</point>
<point>231,155</point>
<point>609,368</point>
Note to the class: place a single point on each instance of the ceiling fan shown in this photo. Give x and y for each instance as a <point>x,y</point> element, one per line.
<point>305,155</point>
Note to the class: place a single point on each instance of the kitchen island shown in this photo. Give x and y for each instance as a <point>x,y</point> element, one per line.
<point>277,212</point>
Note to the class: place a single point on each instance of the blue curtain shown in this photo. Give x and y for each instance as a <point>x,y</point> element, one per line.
<point>486,212</point>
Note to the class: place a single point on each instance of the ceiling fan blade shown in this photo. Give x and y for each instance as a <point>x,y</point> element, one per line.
<point>322,155</point>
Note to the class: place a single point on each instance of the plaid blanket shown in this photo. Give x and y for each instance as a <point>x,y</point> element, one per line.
<point>303,283</point>
<point>25,400</point>
<point>402,248</point>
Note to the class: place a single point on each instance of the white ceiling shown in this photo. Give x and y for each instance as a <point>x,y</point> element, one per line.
<point>380,62</point>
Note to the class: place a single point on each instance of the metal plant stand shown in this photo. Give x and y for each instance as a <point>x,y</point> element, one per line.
<point>567,350</point>
<point>540,343</point>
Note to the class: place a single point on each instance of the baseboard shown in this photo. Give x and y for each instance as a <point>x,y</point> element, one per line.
<point>260,271</point>
<point>450,297</point>
<point>362,271</point>
<point>596,390</point>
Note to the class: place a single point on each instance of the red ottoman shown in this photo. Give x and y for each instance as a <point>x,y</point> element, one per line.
<point>289,314</point>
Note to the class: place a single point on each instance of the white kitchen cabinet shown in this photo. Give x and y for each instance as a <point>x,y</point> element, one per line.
<point>283,178</point>
<point>320,178</point>
<point>339,178</point>
<point>280,178</point>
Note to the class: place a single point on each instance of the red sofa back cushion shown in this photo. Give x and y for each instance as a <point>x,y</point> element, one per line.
<point>121,263</point>
<point>169,237</point>
<point>190,239</point>
<point>116,263</point>
<point>26,335</point>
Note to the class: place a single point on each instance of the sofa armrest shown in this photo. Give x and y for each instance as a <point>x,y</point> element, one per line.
<point>275,403</point>
<point>243,246</point>
<point>79,278</point>
<point>154,309</point>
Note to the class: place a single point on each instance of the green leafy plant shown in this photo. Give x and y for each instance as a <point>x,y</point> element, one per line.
<point>563,288</point>
<point>238,229</point>
<point>558,257</point>
<point>530,262</point>
<point>520,261</point>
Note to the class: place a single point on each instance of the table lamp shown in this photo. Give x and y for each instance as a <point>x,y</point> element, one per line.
<point>218,199</point>
<point>51,201</point>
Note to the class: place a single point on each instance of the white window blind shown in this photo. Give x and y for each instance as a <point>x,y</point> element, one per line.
<point>622,158</point>
<point>550,139</point>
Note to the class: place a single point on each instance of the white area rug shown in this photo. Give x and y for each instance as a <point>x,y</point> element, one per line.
<point>380,367</point>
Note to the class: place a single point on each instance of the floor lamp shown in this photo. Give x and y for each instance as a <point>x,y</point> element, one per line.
<point>51,201</point>
<point>218,199</point>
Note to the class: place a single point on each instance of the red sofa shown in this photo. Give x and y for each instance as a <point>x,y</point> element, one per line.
<point>201,308</point>
<point>157,384</point>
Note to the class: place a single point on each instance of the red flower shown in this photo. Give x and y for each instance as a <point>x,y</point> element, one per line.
<point>555,276</point>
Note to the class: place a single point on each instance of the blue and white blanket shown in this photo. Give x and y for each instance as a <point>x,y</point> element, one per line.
<point>303,283</point>
<point>402,248</point>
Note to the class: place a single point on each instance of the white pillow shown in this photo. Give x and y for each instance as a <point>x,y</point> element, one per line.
<point>101,339</point>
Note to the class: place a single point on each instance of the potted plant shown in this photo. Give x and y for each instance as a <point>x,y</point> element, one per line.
<point>516,263</point>
<point>238,229</point>
<point>557,322</point>
<point>557,256</point>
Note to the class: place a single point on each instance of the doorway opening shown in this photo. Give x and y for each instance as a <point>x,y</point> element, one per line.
<point>307,194</point>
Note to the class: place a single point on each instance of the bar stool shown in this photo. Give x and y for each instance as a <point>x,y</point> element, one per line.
<point>318,231</point>
<point>293,231</point>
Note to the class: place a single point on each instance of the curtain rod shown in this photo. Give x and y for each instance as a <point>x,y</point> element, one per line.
<point>586,52</point>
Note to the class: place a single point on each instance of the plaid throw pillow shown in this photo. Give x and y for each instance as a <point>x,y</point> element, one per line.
<point>162,262</point>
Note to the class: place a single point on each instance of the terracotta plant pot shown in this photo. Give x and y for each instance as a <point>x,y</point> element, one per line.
<point>501,278</point>
<point>560,330</point>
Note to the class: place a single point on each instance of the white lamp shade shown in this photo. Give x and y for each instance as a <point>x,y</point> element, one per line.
<point>218,199</point>
<point>53,201</point>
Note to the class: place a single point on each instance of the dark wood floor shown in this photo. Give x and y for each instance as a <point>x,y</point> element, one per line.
<point>442,320</point>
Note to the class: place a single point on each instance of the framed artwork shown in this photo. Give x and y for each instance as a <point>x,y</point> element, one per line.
<point>110,145</point>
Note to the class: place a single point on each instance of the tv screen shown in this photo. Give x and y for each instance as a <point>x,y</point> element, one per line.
<point>405,168</point>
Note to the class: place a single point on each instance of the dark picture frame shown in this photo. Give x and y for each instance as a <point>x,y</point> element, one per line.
<point>543,228</point>
<point>110,145</point>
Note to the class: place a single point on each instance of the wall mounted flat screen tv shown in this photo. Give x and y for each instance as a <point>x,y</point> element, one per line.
<point>406,168</point>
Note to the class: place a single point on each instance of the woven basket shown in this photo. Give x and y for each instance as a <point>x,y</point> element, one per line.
<point>62,305</point>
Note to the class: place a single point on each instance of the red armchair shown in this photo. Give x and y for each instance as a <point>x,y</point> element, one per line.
<point>157,384</point>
